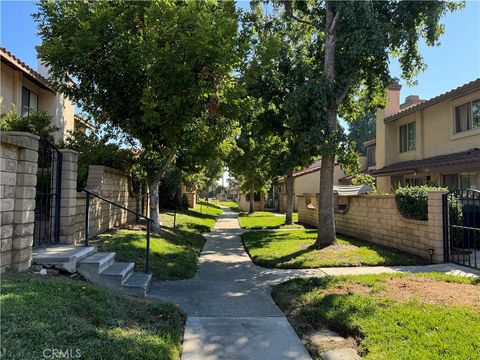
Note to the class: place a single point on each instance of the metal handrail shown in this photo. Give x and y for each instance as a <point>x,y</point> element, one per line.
<point>87,222</point>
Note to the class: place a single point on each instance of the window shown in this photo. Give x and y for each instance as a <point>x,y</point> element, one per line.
<point>408,137</point>
<point>29,101</point>
<point>371,156</point>
<point>450,181</point>
<point>467,116</point>
<point>414,182</point>
<point>462,181</point>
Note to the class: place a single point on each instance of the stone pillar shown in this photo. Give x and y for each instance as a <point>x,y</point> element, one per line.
<point>19,163</point>
<point>68,203</point>
<point>435,223</point>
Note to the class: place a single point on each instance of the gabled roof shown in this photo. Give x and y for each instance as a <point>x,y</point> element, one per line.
<point>461,90</point>
<point>14,62</point>
<point>471,157</point>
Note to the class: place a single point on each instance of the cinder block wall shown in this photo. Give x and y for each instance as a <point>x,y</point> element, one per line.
<point>18,178</point>
<point>115,186</point>
<point>375,218</point>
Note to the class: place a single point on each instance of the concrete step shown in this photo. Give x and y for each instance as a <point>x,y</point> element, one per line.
<point>137,284</point>
<point>97,262</point>
<point>65,257</point>
<point>117,274</point>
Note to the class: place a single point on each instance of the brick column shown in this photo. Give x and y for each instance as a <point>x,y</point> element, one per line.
<point>435,224</point>
<point>68,204</point>
<point>19,159</point>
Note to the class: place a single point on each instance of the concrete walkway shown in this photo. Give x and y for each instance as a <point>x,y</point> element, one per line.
<point>230,313</point>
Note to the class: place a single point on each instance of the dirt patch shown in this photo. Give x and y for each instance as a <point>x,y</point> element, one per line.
<point>432,292</point>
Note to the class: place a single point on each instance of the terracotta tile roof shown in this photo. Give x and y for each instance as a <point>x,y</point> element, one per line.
<point>470,157</point>
<point>464,89</point>
<point>370,142</point>
<point>31,74</point>
<point>84,122</point>
<point>306,171</point>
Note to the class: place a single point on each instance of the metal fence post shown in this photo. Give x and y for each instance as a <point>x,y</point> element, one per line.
<point>87,220</point>
<point>147,255</point>
<point>175,217</point>
<point>58,195</point>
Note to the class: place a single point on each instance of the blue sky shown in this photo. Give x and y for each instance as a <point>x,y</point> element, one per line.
<point>455,62</point>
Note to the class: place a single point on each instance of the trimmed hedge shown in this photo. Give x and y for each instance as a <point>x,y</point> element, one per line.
<point>412,202</point>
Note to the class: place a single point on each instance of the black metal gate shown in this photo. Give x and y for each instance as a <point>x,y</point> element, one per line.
<point>47,197</point>
<point>461,219</point>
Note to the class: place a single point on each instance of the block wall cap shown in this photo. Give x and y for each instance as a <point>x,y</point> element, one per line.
<point>68,151</point>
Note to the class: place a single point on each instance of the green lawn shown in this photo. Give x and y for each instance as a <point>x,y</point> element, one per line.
<point>231,204</point>
<point>41,313</point>
<point>290,249</point>
<point>201,219</point>
<point>383,323</point>
<point>171,258</point>
<point>266,220</point>
<point>174,255</point>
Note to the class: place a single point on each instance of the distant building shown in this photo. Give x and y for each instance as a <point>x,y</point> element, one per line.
<point>307,181</point>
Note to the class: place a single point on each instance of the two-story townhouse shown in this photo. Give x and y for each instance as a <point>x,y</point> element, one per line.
<point>28,90</point>
<point>436,141</point>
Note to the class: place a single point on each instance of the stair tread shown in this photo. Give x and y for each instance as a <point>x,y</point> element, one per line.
<point>98,257</point>
<point>118,268</point>
<point>138,279</point>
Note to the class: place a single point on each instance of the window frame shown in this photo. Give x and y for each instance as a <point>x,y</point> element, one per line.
<point>371,157</point>
<point>406,140</point>
<point>471,124</point>
<point>25,110</point>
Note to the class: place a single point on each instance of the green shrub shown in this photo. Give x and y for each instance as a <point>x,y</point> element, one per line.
<point>94,149</point>
<point>37,122</point>
<point>365,179</point>
<point>412,202</point>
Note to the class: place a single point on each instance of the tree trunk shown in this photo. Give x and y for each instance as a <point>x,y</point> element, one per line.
<point>289,205</point>
<point>154,210</point>
<point>326,221</point>
<point>252,198</point>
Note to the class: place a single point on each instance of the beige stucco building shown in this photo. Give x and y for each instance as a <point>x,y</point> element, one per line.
<point>307,181</point>
<point>436,141</point>
<point>27,89</point>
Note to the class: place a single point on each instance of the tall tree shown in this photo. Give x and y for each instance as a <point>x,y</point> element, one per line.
<point>354,42</point>
<point>159,70</point>
<point>274,69</point>
<point>362,129</point>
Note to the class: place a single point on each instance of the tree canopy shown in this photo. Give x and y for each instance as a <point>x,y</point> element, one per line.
<point>161,71</point>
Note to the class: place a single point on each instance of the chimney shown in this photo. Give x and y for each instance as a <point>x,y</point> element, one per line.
<point>393,99</point>
<point>410,101</point>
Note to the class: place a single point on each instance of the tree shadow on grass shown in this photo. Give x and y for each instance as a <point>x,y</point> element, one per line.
<point>73,314</point>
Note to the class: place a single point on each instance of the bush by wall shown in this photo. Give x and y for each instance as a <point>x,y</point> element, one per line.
<point>365,179</point>
<point>412,202</point>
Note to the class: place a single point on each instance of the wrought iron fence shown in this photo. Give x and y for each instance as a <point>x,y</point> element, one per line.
<point>48,195</point>
<point>461,219</point>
